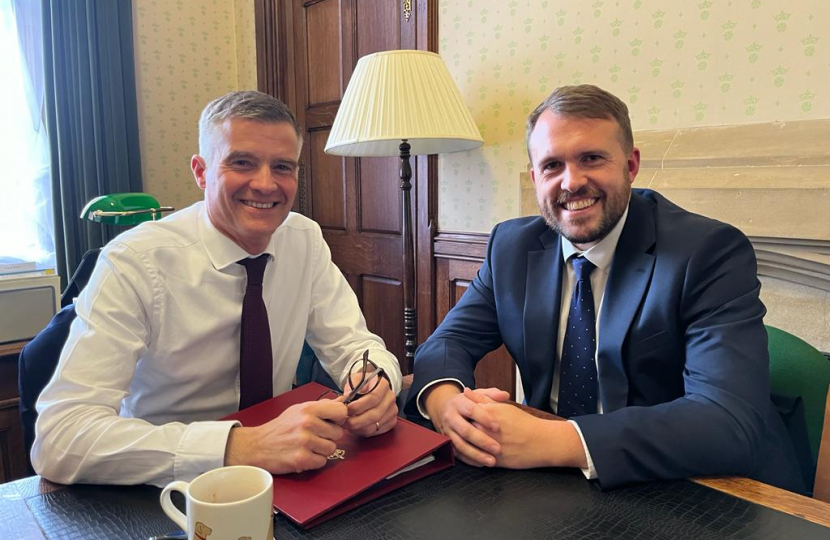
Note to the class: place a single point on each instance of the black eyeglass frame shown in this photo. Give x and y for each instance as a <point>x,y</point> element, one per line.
<point>356,391</point>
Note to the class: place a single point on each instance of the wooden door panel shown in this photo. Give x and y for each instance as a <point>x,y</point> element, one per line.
<point>453,277</point>
<point>327,185</point>
<point>357,202</point>
<point>319,116</point>
<point>378,256</point>
<point>383,308</point>
<point>378,26</point>
<point>323,51</point>
<point>380,195</point>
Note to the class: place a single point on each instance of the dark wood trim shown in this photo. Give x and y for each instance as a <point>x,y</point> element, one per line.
<point>13,459</point>
<point>269,61</point>
<point>453,276</point>
<point>11,403</point>
<point>274,53</point>
<point>425,17</point>
<point>821,487</point>
<point>461,245</point>
<point>13,348</point>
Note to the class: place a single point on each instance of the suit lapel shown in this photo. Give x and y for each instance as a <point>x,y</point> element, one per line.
<point>627,283</point>
<point>541,315</point>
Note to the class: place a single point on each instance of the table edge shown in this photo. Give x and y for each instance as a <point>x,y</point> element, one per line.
<point>769,496</point>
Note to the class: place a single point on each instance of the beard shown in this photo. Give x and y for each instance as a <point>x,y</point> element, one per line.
<point>614,205</point>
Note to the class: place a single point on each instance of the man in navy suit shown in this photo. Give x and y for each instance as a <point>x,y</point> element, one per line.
<point>637,320</point>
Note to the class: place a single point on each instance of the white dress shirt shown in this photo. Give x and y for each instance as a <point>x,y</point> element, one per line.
<point>601,254</point>
<point>152,359</point>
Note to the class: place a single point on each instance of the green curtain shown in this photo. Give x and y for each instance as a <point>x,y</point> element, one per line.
<point>91,116</point>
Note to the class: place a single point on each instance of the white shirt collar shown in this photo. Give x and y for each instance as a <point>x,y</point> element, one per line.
<point>221,250</point>
<point>600,254</point>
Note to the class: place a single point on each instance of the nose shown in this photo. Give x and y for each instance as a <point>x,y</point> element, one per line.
<point>263,181</point>
<point>573,179</point>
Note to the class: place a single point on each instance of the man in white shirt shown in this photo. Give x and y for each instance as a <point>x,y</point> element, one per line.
<point>634,319</point>
<point>153,359</point>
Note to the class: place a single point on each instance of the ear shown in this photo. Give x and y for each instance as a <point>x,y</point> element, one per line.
<point>197,165</point>
<point>532,174</point>
<point>633,164</point>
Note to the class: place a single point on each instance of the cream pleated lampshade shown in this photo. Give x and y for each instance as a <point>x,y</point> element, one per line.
<point>397,95</point>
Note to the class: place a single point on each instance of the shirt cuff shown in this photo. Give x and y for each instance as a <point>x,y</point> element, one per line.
<point>590,472</point>
<point>430,385</point>
<point>202,448</point>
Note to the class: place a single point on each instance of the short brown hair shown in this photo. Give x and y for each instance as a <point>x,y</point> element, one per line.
<point>247,104</point>
<point>585,101</point>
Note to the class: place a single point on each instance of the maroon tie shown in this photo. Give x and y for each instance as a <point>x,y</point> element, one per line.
<point>255,363</point>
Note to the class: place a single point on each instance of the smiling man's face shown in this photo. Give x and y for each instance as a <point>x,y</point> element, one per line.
<point>249,179</point>
<point>582,175</point>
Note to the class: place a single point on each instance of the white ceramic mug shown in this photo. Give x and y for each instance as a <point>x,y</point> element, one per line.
<point>228,503</point>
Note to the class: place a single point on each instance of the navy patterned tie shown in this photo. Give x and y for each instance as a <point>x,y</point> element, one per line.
<point>255,362</point>
<point>578,371</point>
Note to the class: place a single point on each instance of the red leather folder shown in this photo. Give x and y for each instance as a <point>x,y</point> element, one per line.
<point>311,497</point>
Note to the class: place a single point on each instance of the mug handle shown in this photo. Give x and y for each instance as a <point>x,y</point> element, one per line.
<point>168,506</point>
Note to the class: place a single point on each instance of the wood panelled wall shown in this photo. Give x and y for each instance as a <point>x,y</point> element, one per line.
<point>457,260</point>
<point>306,51</point>
<point>446,263</point>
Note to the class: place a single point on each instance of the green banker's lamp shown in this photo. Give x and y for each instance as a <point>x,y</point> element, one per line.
<point>124,209</point>
<point>115,209</point>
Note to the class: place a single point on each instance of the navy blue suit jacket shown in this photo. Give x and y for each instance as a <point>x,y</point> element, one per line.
<point>682,355</point>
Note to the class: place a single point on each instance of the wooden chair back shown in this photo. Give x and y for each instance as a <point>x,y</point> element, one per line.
<point>821,488</point>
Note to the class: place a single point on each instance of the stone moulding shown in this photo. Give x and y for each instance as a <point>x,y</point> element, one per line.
<point>805,262</point>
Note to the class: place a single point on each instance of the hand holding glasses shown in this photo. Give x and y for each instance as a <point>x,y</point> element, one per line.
<point>364,377</point>
<point>378,413</point>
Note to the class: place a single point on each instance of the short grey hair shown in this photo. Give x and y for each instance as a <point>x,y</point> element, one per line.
<point>247,104</point>
<point>585,101</point>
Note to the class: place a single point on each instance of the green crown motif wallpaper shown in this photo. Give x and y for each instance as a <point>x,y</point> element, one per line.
<point>676,64</point>
<point>187,52</point>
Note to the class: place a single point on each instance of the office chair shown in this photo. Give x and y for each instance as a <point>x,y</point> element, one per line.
<point>36,364</point>
<point>799,380</point>
<point>79,279</point>
<point>310,370</point>
<point>39,358</point>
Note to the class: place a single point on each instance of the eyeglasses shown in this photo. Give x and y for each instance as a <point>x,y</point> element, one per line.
<point>366,373</point>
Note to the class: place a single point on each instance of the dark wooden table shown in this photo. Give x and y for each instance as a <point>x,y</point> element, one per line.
<point>462,502</point>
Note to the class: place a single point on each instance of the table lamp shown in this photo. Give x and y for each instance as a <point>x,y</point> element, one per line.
<point>124,209</point>
<point>402,103</point>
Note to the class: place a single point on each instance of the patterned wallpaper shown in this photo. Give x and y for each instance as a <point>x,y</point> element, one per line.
<point>245,29</point>
<point>187,52</point>
<point>676,64</point>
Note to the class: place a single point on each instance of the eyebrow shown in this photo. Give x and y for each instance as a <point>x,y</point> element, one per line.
<point>292,162</point>
<point>582,154</point>
<point>601,153</point>
<point>240,154</point>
